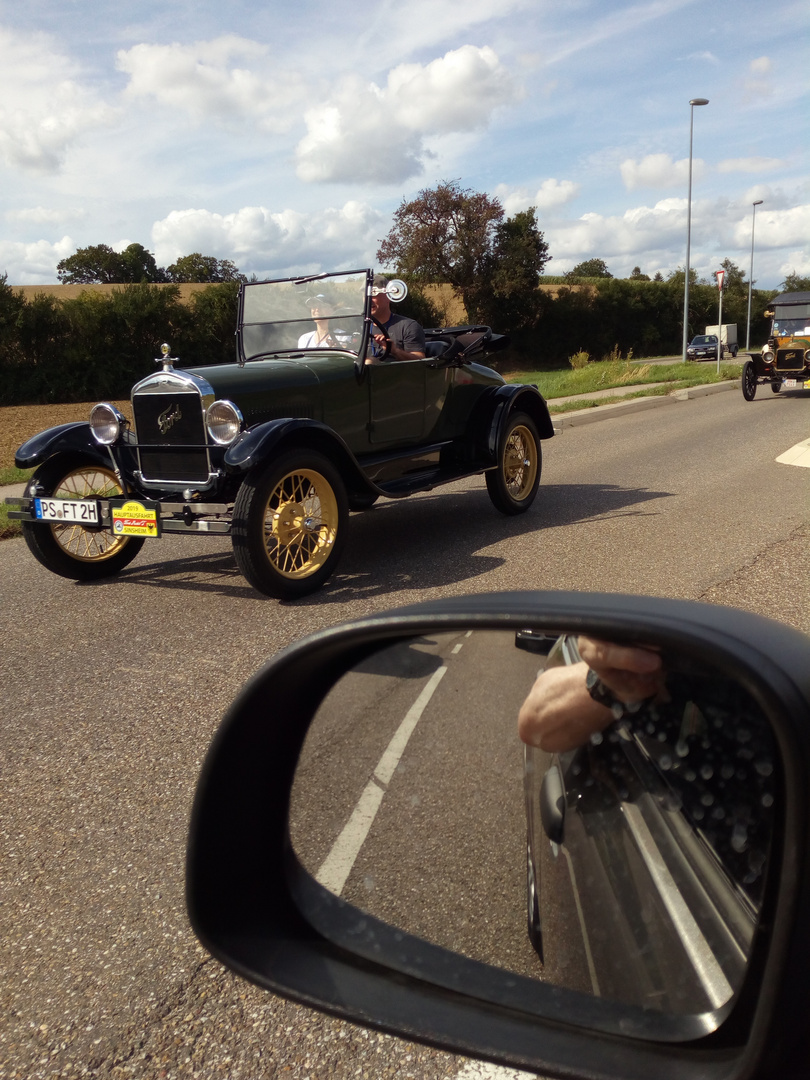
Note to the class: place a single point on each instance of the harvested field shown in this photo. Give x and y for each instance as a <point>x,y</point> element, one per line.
<point>20,422</point>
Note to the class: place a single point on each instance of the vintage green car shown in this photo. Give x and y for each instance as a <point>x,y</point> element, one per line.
<point>277,448</point>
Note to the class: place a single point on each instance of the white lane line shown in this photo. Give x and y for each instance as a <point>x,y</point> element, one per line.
<point>797,455</point>
<point>482,1070</point>
<point>338,864</point>
<point>708,970</point>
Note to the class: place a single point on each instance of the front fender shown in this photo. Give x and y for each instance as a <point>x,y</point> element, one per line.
<point>253,448</point>
<point>65,438</point>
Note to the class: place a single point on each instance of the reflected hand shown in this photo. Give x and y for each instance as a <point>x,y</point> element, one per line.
<point>632,673</point>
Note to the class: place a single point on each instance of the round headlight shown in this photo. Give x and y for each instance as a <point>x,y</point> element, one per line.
<point>767,356</point>
<point>106,423</point>
<point>224,422</point>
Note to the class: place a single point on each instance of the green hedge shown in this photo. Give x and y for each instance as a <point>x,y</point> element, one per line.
<point>98,345</point>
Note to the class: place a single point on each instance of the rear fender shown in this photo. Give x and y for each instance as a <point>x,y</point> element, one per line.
<point>510,399</point>
<point>65,439</point>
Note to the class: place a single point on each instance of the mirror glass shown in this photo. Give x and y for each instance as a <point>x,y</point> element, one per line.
<point>620,852</point>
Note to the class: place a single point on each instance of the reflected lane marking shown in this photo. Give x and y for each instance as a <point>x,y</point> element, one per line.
<point>338,864</point>
<point>797,455</point>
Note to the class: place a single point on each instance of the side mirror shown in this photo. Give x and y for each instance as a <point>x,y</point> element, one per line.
<point>369,837</point>
<point>396,291</point>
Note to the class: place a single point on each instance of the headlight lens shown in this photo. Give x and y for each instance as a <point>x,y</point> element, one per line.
<point>106,423</point>
<point>767,356</point>
<point>224,422</point>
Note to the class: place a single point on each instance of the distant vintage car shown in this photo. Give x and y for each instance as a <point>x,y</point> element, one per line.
<point>704,347</point>
<point>276,448</point>
<point>785,357</point>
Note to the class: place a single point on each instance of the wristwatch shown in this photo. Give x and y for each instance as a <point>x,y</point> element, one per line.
<point>603,695</point>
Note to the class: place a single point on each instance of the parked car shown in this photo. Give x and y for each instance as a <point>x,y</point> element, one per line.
<point>257,910</point>
<point>276,448</point>
<point>785,358</point>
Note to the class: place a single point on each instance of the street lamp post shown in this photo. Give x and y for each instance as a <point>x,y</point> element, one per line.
<point>751,275</point>
<point>692,103</point>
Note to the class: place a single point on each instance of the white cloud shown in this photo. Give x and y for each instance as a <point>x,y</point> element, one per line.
<point>262,242</point>
<point>709,56</point>
<point>797,262</point>
<point>760,66</point>
<point>43,215</point>
<point>551,195</point>
<point>659,171</point>
<point>778,228</point>
<point>750,164</point>
<point>369,133</point>
<point>34,263</point>
<point>212,80</point>
<point>43,107</point>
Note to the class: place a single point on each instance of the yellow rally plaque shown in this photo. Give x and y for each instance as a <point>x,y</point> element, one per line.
<point>132,518</point>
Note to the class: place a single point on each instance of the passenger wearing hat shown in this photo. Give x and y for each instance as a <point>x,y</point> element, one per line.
<point>406,335</point>
<point>321,337</point>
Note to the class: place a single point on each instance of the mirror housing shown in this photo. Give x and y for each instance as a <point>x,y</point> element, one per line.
<point>244,882</point>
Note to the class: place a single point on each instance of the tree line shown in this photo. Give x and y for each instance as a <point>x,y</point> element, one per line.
<point>97,345</point>
<point>100,264</point>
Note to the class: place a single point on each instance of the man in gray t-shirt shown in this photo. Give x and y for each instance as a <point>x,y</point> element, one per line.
<point>406,335</point>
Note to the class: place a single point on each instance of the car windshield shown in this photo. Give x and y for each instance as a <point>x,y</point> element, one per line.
<point>705,339</point>
<point>304,314</point>
<point>800,326</point>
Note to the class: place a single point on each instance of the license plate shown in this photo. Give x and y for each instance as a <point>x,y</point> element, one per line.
<point>72,511</point>
<point>789,382</point>
<point>135,517</point>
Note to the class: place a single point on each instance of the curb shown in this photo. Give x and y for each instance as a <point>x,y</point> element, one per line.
<point>621,408</point>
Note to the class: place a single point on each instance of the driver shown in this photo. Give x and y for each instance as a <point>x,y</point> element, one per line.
<point>406,335</point>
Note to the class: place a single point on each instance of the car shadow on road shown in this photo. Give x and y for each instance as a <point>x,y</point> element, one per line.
<point>425,542</point>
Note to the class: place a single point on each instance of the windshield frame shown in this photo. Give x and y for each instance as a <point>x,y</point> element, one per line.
<point>297,352</point>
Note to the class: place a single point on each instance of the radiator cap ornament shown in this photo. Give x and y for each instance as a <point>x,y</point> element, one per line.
<point>166,359</point>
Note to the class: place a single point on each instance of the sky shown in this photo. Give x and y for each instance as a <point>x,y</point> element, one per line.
<point>284,136</point>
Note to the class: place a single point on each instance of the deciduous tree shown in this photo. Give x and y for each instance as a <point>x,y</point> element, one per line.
<point>203,268</point>
<point>590,268</point>
<point>449,234</point>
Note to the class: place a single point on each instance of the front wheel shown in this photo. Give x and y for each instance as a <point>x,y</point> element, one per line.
<point>78,552</point>
<point>289,525</point>
<point>512,486</point>
<point>749,380</point>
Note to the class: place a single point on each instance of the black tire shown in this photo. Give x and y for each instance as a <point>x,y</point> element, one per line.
<point>75,551</point>
<point>362,502</point>
<point>734,351</point>
<point>512,486</point>
<point>749,380</point>
<point>776,386</point>
<point>289,524</point>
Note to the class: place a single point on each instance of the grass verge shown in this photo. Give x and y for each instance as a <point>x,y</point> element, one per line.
<point>8,529</point>
<point>601,375</point>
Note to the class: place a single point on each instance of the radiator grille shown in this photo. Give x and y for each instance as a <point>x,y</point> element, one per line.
<point>171,436</point>
<point>789,359</point>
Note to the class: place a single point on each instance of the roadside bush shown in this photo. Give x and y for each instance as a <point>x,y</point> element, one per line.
<point>579,360</point>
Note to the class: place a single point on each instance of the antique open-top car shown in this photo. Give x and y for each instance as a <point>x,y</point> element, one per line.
<point>276,448</point>
<point>785,357</point>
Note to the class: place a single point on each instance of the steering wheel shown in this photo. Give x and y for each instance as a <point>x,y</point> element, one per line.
<point>384,333</point>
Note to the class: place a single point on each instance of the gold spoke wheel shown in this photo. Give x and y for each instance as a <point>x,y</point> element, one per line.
<point>88,545</point>
<point>301,523</point>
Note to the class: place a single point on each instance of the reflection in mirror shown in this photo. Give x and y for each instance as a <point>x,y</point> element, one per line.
<point>630,832</point>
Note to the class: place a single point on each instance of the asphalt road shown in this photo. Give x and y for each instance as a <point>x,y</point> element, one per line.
<point>113,690</point>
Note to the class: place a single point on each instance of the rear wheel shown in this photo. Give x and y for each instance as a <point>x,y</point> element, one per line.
<point>512,486</point>
<point>749,380</point>
<point>79,552</point>
<point>776,386</point>
<point>289,525</point>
